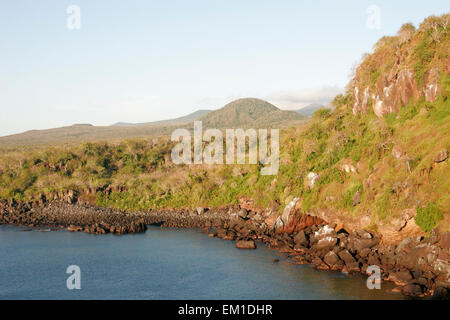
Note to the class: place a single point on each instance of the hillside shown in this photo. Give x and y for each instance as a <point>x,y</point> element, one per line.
<point>404,68</point>
<point>378,161</point>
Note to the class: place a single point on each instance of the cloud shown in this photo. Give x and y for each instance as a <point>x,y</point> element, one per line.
<point>300,99</point>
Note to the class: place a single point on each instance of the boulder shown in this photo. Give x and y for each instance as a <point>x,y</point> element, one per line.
<point>325,231</point>
<point>279,224</point>
<point>325,243</point>
<point>222,233</point>
<point>397,152</point>
<point>403,245</point>
<point>353,267</point>
<point>413,290</point>
<point>346,167</point>
<point>289,210</point>
<point>270,220</point>
<point>346,257</point>
<point>331,258</point>
<point>421,256</point>
<point>230,235</point>
<point>358,244</point>
<point>73,228</point>
<point>373,260</point>
<point>319,264</point>
<point>365,252</point>
<point>445,240</point>
<point>301,239</point>
<point>441,156</point>
<point>245,244</point>
<point>400,278</point>
<point>311,179</point>
<point>242,214</point>
<point>441,294</point>
<point>363,234</point>
<point>324,238</point>
<point>247,203</point>
<point>357,198</point>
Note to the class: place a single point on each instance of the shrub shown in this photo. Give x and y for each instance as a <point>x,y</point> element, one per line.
<point>333,175</point>
<point>347,200</point>
<point>339,100</point>
<point>406,32</point>
<point>409,111</point>
<point>390,119</point>
<point>322,113</point>
<point>428,217</point>
<point>374,77</point>
<point>424,53</point>
<point>383,205</point>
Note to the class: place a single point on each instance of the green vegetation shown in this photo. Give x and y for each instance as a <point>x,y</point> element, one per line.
<point>424,54</point>
<point>428,217</point>
<point>322,113</point>
<point>349,193</point>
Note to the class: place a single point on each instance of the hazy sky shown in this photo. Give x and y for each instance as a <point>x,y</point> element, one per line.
<point>140,61</point>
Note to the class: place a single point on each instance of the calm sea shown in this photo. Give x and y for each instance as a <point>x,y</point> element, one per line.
<point>161,264</point>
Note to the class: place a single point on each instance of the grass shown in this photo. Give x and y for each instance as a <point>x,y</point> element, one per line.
<point>428,217</point>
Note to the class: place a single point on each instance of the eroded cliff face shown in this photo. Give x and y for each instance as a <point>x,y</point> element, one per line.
<point>403,68</point>
<point>394,90</point>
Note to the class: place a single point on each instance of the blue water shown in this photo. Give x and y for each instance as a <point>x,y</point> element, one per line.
<point>161,264</point>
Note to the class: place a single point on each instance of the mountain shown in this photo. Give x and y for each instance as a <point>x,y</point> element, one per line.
<point>249,112</point>
<point>309,110</point>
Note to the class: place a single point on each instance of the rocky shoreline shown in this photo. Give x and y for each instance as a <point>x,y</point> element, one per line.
<point>419,266</point>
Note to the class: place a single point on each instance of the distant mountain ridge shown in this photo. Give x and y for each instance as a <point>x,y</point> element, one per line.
<point>245,113</point>
<point>190,117</point>
<point>309,110</point>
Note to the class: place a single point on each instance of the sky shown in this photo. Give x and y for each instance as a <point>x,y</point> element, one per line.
<point>142,61</point>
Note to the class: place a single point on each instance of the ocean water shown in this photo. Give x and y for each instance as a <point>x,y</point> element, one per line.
<point>161,264</point>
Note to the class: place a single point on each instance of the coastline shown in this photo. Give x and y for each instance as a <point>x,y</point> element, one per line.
<point>415,265</point>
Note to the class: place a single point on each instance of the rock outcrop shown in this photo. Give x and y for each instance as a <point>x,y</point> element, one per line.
<point>402,69</point>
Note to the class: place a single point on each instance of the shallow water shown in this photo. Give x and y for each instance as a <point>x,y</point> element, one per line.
<point>161,264</point>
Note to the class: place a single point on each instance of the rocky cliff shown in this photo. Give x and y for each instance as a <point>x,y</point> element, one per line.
<point>402,68</point>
